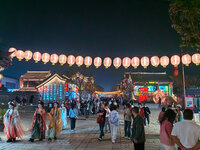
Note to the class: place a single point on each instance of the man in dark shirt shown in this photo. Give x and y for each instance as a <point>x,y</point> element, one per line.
<point>138,133</point>
<point>102,113</point>
<point>147,113</point>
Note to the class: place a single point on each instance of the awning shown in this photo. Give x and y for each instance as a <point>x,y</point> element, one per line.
<point>108,93</point>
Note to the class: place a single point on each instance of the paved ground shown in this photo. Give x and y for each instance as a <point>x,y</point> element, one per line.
<point>85,137</point>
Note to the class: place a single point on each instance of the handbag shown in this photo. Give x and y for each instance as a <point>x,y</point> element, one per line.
<point>100,120</point>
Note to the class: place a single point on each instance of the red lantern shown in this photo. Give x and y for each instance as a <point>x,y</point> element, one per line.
<point>145,62</point>
<point>175,60</point>
<point>79,60</point>
<point>45,58</point>
<point>88,61</point>
<point>62,59</point>
<point>175,71</point>
<point>37,56</point>
<point>126,62</point>
<point>54,59</point>
<point>196,59</point>
<point>13,51</point>
<point>71,60</point>
<point>186,59</point>
<point>164,61</point>
<point>97,62</point>
<point>20,55</point>
<point>155,61</point>
<point>28,55</point>
<point>107,62</point>
<point>117,62</point>
<point>135,61</point>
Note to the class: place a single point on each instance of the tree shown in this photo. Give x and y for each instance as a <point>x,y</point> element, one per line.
<point>185,17</point>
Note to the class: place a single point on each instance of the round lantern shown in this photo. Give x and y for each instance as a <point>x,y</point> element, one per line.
<point>107,62</point>
<point>175,60</point>
<point>155,61</point>
<point>37,56</point>
<point>45,58</point>
<point>20,55</point>
<point>71,60</point>
<point>126,62</point>
<point>62,59</point>
<point>54,59</point>
<point>145,61</point>
<point>88,61</point>
<point>117,62</point>
<point>164,61</point>
<point>186,59</point>
<point>28,55</point>
<point>97,62</point>
<point>13,51</point>
<point>79,60</point>
<point>135,61</point>
<point>196,58</point>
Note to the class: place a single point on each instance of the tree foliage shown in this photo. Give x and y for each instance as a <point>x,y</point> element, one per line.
<point>185,17</point>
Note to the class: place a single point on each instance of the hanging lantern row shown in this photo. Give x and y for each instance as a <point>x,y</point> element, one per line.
<point>126,62</point>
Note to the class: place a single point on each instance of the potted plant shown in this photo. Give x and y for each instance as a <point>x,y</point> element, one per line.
<point>2,112</point>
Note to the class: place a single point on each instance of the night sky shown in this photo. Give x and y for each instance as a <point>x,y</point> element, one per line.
<point>88,27</point>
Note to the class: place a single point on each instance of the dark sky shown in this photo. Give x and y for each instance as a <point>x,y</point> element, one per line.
<point>87,27</point>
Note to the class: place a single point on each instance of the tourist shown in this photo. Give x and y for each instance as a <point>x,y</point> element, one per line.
<point>38,123</point>
<point>127,121</point>
<point>138,132</point>
<point>179,114</point>
<point>73,115</point>
<point>186,133</point>
<point>166,126</point>
<point>114,123</point>
<point>63,116</point>
<point>161,114</point>
<point>147,113</point>
<point>12,124</point>
<point>101,120</point>
<point>55,122</point>
<point>196,113</point>
<point>107,124</point>
<point>141,110</point>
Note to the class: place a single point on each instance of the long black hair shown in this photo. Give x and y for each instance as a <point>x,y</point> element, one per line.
<point>170,115</point>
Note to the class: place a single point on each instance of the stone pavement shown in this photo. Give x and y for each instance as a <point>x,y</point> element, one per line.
<point>85,138</point>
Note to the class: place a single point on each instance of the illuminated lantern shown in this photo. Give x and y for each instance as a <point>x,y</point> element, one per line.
<point>28,55</point>
<point>71,60</point>
<point>62,59</point>
<point>196,58</point>
<point>37,56</point>
<point>20,55</point>
<point>175,60</point>
<point>117,62</point>
<point>107,62</point>
<point>45,58</point>
<point>135,62</point>
<point>186,59</point>
<point>145,61</point>
<point>79,60</point>
<point>88,61</point>
<point>54,59</point>
<point>97,62</point>
<point>13,51</point>
<point>126,62</point>
<point>155,61</point>
<point>164,61</point>
<point>175,71</point>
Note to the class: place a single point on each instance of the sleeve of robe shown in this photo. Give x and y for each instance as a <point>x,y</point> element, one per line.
<point>59,122</point>
<point>33,121</point>
<point>44,119</point>
<point>51,120</point>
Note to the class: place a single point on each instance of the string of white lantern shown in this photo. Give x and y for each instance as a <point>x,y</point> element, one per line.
<point>155,61</point>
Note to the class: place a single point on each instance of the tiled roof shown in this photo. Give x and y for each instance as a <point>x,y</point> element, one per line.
<point>36,75</point>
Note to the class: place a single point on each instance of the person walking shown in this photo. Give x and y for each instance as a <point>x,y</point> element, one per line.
<point>186,133</point>
<point>166,126</point>
<point>147,113</point>
<point>127,121</point>
<point>101,120</point>
<point>138,132</point>
<point>114,123</point>
<point>179,114</point>
<point>63,116</point>
<point>73,115</point>
<point>107,124</point>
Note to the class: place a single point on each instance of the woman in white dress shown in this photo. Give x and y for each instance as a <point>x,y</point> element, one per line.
<point>63,116</point>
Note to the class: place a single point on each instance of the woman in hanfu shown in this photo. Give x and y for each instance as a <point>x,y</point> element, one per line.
<point>12,123</point>
<point>38,123</point>
<point>63,116</point>
<point>55,122</point>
